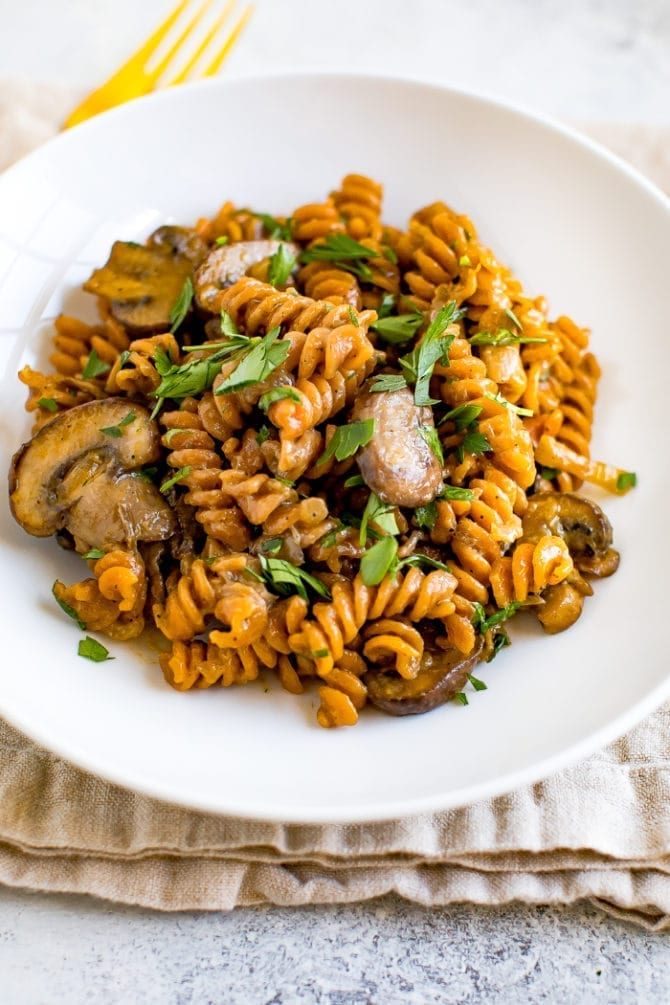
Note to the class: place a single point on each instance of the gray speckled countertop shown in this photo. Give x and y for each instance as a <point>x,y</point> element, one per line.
<point>71,949</point>
<point>584,60</point>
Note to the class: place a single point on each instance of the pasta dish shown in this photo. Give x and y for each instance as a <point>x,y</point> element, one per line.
<point>322,447</point>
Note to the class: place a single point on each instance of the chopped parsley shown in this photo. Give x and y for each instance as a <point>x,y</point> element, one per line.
<point>347,439</point>
<point>274,229</point>
<point>462,416</point>
<point>398,329</point>
<point>257,363</point>
<point>425,516</point>
<point>388,382</point>
<point>182,304</point>
<point>429,434</point>
<point>502,337</point>
<point>626,480</point>
<point>498,398</point>
<point>117,431</point>
<point>418,365</point>
<point>94,553</point>
<point>344,253</point>
<point>379,513</point>
<point>277,394</point>
<point>178,476</point>
<point>473,442</point>
<point>477,684</point>
<point>48,404</point>
<point>70,611</point>
<point>272,545</point>
<point>287,579</point>
<point>221,241</point>
<point>281,265</point>
<point>378,560</point>
<point>500,641</point>
<point>95,367</point>
<point>262,435</point>
<point>483,624</point>
<point>354,482</point>
<point>456,492</point>
<point>91,649</point>
<point>418,559</point>
<point>461,697</point>
<point>549,473</point>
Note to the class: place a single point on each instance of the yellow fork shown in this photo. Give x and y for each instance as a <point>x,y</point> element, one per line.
<point>135,78</point>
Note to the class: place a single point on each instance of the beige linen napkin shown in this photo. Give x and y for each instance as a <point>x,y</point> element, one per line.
<point>598,831</point>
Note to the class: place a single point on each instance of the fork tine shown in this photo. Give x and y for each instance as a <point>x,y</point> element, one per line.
<point>147,49</point>
<point>221,19</point>
<point>215,65</point>
<point>176,46</point>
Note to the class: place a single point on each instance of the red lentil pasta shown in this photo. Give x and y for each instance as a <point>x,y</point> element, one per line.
<point>321,447</point>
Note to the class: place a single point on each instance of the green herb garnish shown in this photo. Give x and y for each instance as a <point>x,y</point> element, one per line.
<point>549,473</point>
<point>463,416</point>
<point>461,697</point>
<point>456,492</point>
<point>116,431</point>
<point>221,241</point>
<point>477,684</point>
<point>95,367</point>
<point>418,559</point>
<point>502,337</point>
<point>418,365</point>
<point>273,228</point>
<point>626,480</point>
<point>281,265</point>
<point>398,329</point>
<point>425,516</point>
<point>262,435</point>
<point>344,252</point>
<point>147,474</point>
<point>500,641</point>
<point>48,404</point>
<point>277,394</point>
<point>320,654</point>
<point>390,254</point>
<point>379,513</point>
<point>388,382</point>
<point>464,260</point>
<point>378,560</point>
<point>182,304</point>
<point>178,476</point>
<point>474,443</point>
<point>347,439</point>
<point>70,611</point>
<point>498,398</point>
<point>354,482</point>
<point>483,624</point>
<point>429,434</point>
<point>258,363</point>
<point>91,649</point>
<point>287,578</point>
<point>272,545</point>
<point>94,553</point>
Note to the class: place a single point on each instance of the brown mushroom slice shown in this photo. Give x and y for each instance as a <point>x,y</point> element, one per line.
<point>173,240</point>
<point>443,673</point>
<point>141,284</point>
<point>224,266</point>
<point>398,464</point>
<point>73,476</point>
<point>561,608</point>
<point>580,522</point>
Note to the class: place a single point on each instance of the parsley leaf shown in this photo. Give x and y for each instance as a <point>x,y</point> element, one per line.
<point>418,365</point>
<point>378,560</point>
<point>456,492</point>
<point>549,473</point>
<point>277,394</point>
<point>353,317</point>
<point>94,367</point>
<point>477,684</point>
<point>379,513</point>
<point>498,398</point>
<point>262,435</point>
<point>94,553</point>
<point>258,363</point>
<point>344,252</point>
<point>425,516</point>
<point>116,431</point>
<point>354,482</point>
<point>273,228</point>
<point>500,641</point>
<point>272,545</point>
<point>48,404</point>
<point>513,318</point>
<point>281,265</point>
<point>398,329</point>
<point>387,306</point>
<point>419,559</point>
<point>626,480</point>
<point>464,260</point>
<point>228,326</point>
<point>482,623</point>
<point>178,476</point>
<point>473,442</point>
<point>347,439</point>
<point>221,241</point>
<point>429,434</point>
<point>181,306</point>
<point>461,697</point>
<point>388,382</point>
<point>287,578</point>
<point>70,611</point>
<point>146,474</point>
<point>463,416</point>
<point>502,337</point>
<point>390,254</point>
<point>320,653</point>
<point>91,649</point>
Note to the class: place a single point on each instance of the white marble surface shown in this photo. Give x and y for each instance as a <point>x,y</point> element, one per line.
<point>606,60</point>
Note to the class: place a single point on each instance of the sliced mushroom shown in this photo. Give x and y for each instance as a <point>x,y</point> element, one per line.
<point>443,673</point>
<point>73,476</point>
<point>561,608</point>
<point>179,241</point>
<point>141,283</point>
<point>582,525</point>
<point>398,464</point>
<point>224,266</point>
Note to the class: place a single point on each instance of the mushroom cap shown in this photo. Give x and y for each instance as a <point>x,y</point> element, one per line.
<point>73,475</point>
<point>225,265</point>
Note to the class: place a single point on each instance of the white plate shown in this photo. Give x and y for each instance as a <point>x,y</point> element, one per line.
<point>571,220</point>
